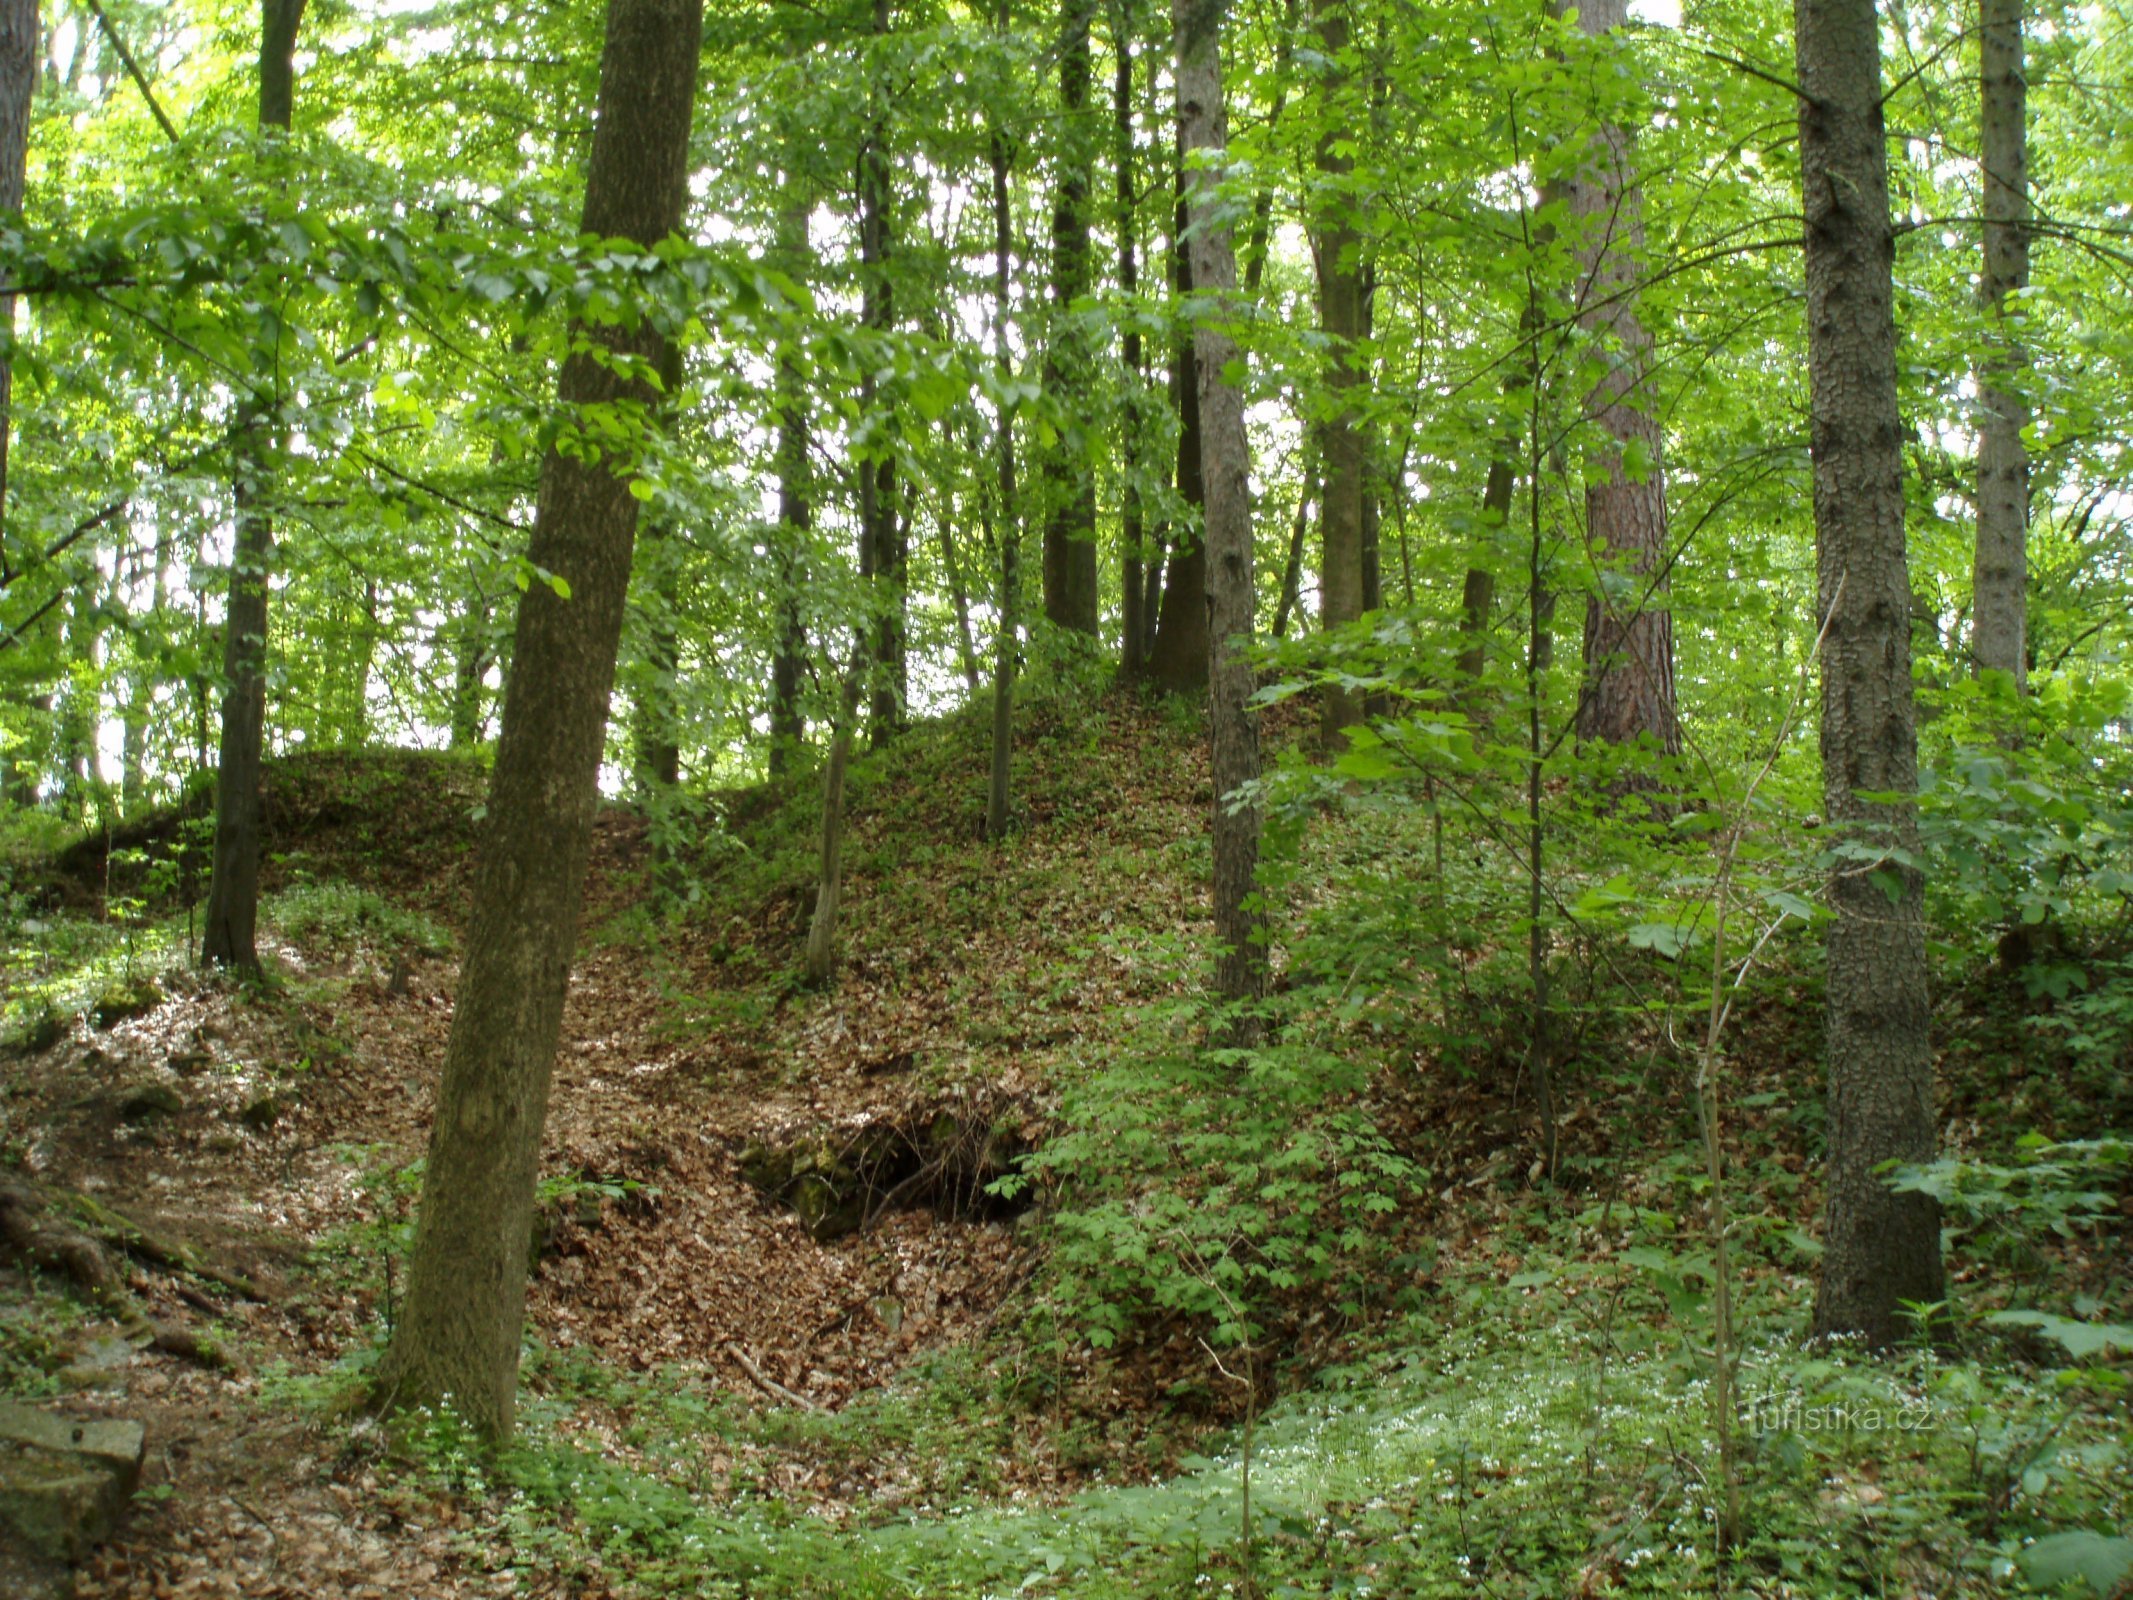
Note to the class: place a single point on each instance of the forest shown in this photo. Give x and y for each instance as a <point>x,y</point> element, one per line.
<point>880,798</point>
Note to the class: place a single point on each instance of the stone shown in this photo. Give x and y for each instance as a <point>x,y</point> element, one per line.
<point>64,1484</point>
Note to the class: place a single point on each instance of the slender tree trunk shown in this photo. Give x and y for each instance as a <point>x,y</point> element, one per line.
<point>470,669</point>
<point>1883,1248</point>
<point>1292,568</point>
<point>887,551</point>
<point>1133,616</point>
<point>1177,657</point>
<point>1628,692</point>
<point>18,81</point>
<point>457,1342</point>
<point>230,936</point>
<point>1340,319</point>
<point>788,660</point>
<point>658,722</point>
<point>1070,588</point>
<point>2000,579</point>
<point>959,597</point>
<point>1241,967</point>
<point>140,693</point>
<point>1005,637</point>
<point>820,961</point>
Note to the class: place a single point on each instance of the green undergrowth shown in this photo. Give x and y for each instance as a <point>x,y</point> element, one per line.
<point>1515,1451</point>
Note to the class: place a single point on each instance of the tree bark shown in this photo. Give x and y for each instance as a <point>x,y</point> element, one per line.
<point>788,658</point>
<point>886,554</point>
<point>1132,572</point>
<point>1070,588</point>
<point>1628,689</point>
<point>1342,446</point>
<point>19,42</point>
<point>1226,537</point>
<point>230,937</point>
<point>1883,1248</point>
<point>1177,653</point>
<point>1005,640</point>
<point>458,1337</point>
<point>2000,575</point>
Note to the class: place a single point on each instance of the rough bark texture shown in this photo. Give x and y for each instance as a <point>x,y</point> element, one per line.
<point>2000,577</point>
<point>18,82</point>
<point>1177,651</point>
<point>820,961</point>
<point>1132,572</point>
<point>788,658</point>
<point>1883,1248</point>
<point>1004,639</point>
<point>230,935</point>
<point>458,1337</point>
<point>1226,536</point>
<point>1070,591</point>
<point>1628,690</point>
<point>1342,446</point>
<point>887,551</point>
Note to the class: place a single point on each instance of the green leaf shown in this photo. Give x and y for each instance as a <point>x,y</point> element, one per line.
<point>2078,1556</point>
<point>2078,1338</point>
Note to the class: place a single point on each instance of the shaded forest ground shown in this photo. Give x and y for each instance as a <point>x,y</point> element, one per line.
<point>692,1338</point>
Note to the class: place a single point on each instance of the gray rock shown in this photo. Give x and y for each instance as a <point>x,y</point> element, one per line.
<point>63,1484</point>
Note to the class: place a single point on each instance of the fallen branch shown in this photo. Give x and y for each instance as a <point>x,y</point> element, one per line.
<point>770,1385</point>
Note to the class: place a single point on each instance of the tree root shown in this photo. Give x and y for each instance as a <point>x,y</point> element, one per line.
<point>34,1230</point>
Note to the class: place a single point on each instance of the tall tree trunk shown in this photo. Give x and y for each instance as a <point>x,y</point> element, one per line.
<point>1005,638</point>
<point>1628,689</point>
<point>1226,539</point>
<point>2000,578</point>
<point>1340,319</point>
<point>1132,572</point>
<point>886,550</point>
<point>658,721</point>
<point>140,692</point>
<point>230,936</point>
<point>1070,587</point>
<point>18,81</point>
<point>1883,1248</point>
<point>788,658</point>
<point>458,1336</point>
<point>1177,654</point>
<point>470,669</point>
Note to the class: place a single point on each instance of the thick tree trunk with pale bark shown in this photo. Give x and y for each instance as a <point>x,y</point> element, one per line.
<point>1628,692</point>
<point>458,1337</point>
<point>1883,1248</point>
<point>2000,577</point>
<point>1226,535</point>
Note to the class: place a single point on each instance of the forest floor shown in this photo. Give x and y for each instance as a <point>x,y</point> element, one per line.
<point>687,1329</point>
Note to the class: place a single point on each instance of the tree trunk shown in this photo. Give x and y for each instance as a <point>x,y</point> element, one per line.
<point>1005,638</point>
<point>230,937</point>
<point>19,42</point>
<point>658,722</point>
<point>886,551</point>
<point>788,659</point>
<point>1132,573</point>
<point>2000,578</point>
<point>1177,655</point>
<point>1340,317</point>
<point>1226,538</point>
<point>820,961</point>
<point>1883,1248</point>
<point>458,1337</point>
<point>1070,590</point>
<point>1628,689</point>
<point>470,670</point>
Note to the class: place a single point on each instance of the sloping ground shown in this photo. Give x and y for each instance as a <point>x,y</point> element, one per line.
<point>688,1326</point>
<point>275,1132</point>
